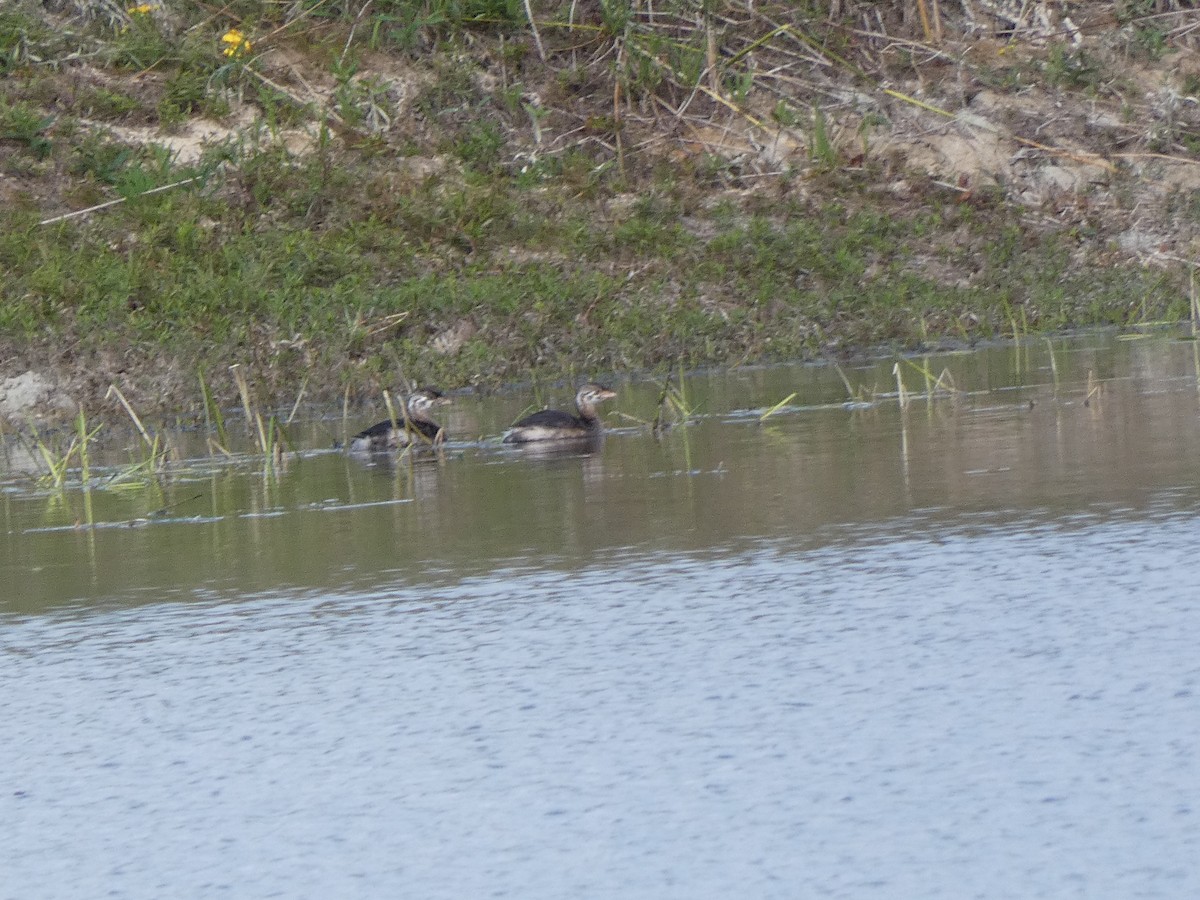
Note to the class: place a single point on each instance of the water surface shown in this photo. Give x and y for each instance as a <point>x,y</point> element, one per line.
<point>853,650</point>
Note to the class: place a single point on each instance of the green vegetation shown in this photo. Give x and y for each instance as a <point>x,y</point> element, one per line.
<point>458,192</point>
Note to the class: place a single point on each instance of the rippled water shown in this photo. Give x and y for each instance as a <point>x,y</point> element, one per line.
<point>851,651</point>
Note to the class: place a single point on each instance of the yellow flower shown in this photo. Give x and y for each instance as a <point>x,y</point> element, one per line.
<point>236,42</point>
<point>142,9</point>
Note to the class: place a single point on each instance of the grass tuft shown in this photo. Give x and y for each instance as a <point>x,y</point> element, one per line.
<point>674,406</point>
<point>154,450</point>
<point>213,419</point>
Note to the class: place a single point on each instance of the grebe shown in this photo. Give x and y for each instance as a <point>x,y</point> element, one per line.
<point>419,428</point>
<point>555,425</point>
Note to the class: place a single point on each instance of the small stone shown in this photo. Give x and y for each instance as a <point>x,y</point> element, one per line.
<point>452,339</point>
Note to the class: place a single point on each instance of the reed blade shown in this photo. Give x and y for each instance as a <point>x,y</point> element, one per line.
<point>777,407</point>
<point>213,418</point>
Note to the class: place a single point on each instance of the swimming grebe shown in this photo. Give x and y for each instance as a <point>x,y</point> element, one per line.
<point>420,427</point>
<point>555,425</point>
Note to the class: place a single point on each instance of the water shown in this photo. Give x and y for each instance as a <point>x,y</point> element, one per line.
<point>848,652</point>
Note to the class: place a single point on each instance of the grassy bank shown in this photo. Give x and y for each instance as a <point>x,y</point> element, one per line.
<point>425,195</point>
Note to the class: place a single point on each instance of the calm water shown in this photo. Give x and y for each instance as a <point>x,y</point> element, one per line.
<point>852,651</point>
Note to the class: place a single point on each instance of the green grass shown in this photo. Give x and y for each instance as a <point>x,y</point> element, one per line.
<point>588,253</point>
<point>204,279</point>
